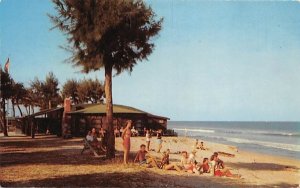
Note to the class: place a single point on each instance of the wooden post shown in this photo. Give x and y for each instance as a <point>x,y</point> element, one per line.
<point>32,123</point>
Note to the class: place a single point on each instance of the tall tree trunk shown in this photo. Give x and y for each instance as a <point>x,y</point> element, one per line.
<point>32,109</point>
<point>4,118</point>
<point>32,126</point>
<point>26,108</point>
<point>20,110</point>
<point>49,104</point>
<point>13,108</point>
<point>110,153</point>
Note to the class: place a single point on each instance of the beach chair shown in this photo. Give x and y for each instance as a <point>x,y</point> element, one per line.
<point>87,146</point>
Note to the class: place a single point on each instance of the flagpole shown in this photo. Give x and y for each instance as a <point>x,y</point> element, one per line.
<point>7,117</point>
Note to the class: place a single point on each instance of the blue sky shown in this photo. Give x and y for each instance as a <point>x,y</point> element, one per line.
<point>221,60</point>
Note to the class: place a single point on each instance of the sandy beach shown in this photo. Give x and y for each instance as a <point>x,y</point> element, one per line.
<point>52,161</point>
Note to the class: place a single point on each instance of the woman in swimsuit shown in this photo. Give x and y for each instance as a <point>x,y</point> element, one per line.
<point>126,140</point>
<point>159,140</point>
<point>185,162</point>
<point>148,136</point>
<point>221,172</point>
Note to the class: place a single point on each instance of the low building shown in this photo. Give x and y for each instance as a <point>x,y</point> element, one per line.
<point>76,120</point>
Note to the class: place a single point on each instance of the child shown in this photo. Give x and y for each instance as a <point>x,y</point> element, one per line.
<point>141,155</point>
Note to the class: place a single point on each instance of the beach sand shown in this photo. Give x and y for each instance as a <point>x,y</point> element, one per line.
<point>52,161</point>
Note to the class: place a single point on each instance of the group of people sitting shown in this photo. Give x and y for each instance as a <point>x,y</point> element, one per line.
<point>200,145</point>
<point>97,139</point>
<point>118,131</point>
<point>188,163</point>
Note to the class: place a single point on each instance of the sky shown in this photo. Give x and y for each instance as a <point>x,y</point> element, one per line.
<point>213,60</point>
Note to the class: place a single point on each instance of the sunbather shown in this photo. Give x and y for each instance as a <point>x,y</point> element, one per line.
<point>116,132</point>
<point>202,146</point>
<point>141,155</point>
<point>199,145</point>
<point>186,162</point>
<point>164,163</point>
<point>221,172</point>
<point>159,140</point>
<point>126,140</point>
<point>220,163</point>
<point>204,167</point>
<point>95,143</point>
<point>89,137</point>
<point>148,138</point>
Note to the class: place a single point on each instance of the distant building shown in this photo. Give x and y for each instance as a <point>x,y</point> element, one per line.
<point>78,119</point>
<point>11,123</point>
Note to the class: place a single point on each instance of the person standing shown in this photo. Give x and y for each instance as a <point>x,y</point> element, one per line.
<point>148,136</point>
<point>126,140</point>
<point>159,140</point>
<point>121,131</point>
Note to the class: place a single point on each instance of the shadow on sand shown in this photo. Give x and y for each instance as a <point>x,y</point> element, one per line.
<point>67,152</point>
<point>130,179</point>
<point>261,166</point>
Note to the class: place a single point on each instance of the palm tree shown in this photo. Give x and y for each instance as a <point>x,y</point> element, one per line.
<point>89,90</point>
<point>84,91</point>
<point>70,89</point>
<point>50,90</point>
<point>44,94</point>
<point>19,92</point>
<point>29,100</point>
<point>97,91</point>
<point>109,35</point>
<point>6,93</point>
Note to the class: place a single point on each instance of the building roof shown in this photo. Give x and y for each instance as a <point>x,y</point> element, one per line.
<point>117,109</point>
<point>42,112</point>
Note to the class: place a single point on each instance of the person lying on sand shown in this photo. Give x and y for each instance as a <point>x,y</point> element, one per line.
<point>220,172</point>
<point>141,155</point>
<point>164,163</point>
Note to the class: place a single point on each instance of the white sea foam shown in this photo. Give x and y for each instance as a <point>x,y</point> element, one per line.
<point>195,130</point>
<point>270,133</point>
<point>290,147</point>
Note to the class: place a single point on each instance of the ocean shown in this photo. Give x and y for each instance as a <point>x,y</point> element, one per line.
<point>275,138</point>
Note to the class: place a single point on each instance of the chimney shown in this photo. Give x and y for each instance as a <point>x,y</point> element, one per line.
<point>66,127</point>
<point>67,105</point>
